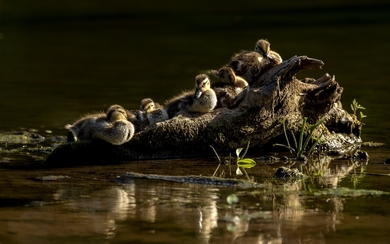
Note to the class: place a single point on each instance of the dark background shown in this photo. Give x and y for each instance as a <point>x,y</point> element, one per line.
<point>60,60</point>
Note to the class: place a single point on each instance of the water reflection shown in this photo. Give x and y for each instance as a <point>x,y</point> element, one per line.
<point>141,210</point>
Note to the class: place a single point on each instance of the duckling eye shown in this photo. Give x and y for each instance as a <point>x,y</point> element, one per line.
<point>122,112</point>
<point>150,106</point>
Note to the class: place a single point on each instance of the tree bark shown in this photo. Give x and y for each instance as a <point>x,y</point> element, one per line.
<point>277,96</point>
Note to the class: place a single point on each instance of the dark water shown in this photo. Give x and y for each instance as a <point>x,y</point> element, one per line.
<point>59,61</point>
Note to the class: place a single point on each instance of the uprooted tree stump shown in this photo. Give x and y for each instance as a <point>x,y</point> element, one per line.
<point>276,96</point>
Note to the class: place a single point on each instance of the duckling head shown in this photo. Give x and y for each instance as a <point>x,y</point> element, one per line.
<point>202,84</point>
<point>226,75</point>
<point>263,47</point>
<point>115,113</point>
<point>147,105</point>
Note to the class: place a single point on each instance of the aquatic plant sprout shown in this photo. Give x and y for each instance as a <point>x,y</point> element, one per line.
<point>241,162</point>
<point>302,144</point>
<point>355,106</point>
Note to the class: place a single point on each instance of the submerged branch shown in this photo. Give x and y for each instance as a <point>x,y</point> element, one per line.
<point>193,179</point>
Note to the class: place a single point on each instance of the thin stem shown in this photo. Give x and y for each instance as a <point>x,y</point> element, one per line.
<point>282,145</point>
<point>247,176</point>
<point>230,164</point>
<point>314,144</point>
<point>246,150</point>
<point>219,159</point>
<point>300,149</point>
<point>215,172</point>
<point>285,132</point>
<point>311,130</point>
<point>294,139</point>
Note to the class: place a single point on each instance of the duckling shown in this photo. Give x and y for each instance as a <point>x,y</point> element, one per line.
<point>112,127</point>
<point>264,48</point>
<point>153,112</point>
<point>203,100</point>
<point>230,89</point>
<point>251,64</point>
<point>138,119</point>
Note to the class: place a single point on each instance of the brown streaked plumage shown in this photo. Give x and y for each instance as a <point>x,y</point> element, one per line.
<point>202,100</point>
<point>250,65</point>
<point>264,48</point>
<point>230,89</point>
<point>112,127</point>
<point>153,112</point>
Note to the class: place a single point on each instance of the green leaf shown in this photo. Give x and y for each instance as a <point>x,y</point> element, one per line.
<point>246,163</point>
<point>354,102</point>
<point>238,171</point>
<point>238,151</point>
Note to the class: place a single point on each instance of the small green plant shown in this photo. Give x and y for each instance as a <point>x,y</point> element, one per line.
<point>302,144</point>
<point>241,162</point>
<point>355,106</point>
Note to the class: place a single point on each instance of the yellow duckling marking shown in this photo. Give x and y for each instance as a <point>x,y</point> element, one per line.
<point>112,127</point>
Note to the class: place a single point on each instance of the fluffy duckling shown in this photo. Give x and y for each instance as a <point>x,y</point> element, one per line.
<point>264,48</point>
<point>153,112</point>
<point>203,100</point>
<point>230,89</point>
<point>112,127</point>
<point>251,64</point>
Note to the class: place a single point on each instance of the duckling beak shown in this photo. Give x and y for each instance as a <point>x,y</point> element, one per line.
<point>197,94</point>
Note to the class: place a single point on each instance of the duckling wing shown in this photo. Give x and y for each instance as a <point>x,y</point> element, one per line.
<point>117,133</point>
<point>248,65</point>
<point>179,103</point>
<point>205,103</point>
<point>226,96</point>
<point>157,115</point>
<point>82,129</point>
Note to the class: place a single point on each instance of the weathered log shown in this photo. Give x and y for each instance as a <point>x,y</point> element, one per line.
<point>193,179</point>
<point>276,96</point>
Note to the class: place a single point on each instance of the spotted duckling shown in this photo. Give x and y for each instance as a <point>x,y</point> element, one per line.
<point>250,65</point>
<point>112,127</point>
<point>202,100</point>
<point>230,89</point>
<point>152,111</point>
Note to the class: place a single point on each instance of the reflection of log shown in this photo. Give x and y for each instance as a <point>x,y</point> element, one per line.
<point>278,94</point>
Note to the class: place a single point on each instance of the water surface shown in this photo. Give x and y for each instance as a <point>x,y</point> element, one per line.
<point>60,61</point>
